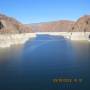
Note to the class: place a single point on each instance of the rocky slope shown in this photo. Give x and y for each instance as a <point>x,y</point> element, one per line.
<point>57,26</point>
<point>82,24</point>
<point>12,26</point>
<point>13,32</point>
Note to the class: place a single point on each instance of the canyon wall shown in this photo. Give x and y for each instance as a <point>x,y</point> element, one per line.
<point>69,35</point>
<point>6,40</point>
<point>14,32</point>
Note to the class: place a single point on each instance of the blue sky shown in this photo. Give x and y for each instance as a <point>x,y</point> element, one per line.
<point>34,11</point>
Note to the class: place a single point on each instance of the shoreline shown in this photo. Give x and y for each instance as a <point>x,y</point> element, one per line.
<point>13,39</point>
<point>6,40</point>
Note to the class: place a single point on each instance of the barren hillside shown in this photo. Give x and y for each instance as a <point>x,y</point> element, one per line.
<point>10,25</point>
<point>57,26</point>
<point>82,24</point>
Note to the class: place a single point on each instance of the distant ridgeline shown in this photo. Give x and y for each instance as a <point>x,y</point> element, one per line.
<point>81,25</point>
<point>10,25</point>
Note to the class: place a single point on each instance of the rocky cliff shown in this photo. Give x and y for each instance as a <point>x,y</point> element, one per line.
<point>13,32</point>
<point>82,24</point>
<point>12,26</point>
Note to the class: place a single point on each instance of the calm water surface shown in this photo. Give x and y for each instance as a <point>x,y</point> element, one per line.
<point>36,64</point>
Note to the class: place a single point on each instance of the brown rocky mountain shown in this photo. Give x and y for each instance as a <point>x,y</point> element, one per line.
<point>82,24</point>
<point>10,25</point>
<point>57,26</point>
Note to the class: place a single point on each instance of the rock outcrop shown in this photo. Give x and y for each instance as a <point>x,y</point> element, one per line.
<point>13,32</point>
<point>82,24</point>
<point>12,26</point>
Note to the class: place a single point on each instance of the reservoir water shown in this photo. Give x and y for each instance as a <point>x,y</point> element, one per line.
<point>46,63</point>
